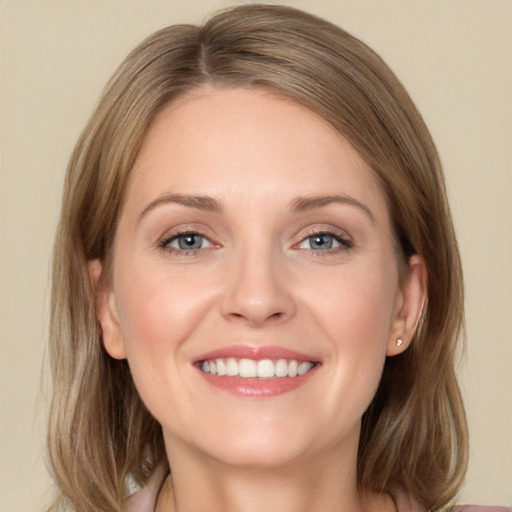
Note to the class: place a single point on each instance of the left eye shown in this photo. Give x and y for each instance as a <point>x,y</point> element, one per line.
<point>320,242</point>
<point>188,242</point>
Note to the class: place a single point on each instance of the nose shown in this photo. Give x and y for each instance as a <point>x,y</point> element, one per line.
<point>257,290</point>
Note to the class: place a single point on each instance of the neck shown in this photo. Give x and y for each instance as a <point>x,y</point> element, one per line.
<point>326,484</point>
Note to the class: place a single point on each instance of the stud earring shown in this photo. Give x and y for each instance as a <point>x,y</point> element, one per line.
<point>398,342</point>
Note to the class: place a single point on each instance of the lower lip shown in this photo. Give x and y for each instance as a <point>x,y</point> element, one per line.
<point>258,388</point>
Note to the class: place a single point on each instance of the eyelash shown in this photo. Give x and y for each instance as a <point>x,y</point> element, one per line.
<point>345,243</point>
<point>165,244</point>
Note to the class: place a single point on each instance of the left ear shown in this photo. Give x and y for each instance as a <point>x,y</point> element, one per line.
<point>106,311</point>
<point>408,307</point>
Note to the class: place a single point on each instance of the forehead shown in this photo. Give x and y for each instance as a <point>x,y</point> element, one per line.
<point>246,144</point>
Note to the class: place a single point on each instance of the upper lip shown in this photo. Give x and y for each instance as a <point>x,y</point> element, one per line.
<point>255,352</point>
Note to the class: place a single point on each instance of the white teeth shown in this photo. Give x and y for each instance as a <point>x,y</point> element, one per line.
<point>304,368</point>
<point>247,368</point>
<point>281,368</point>
<point>231,367</point>
<point>263,368</point>
<point>292,368</point>
<point>221,367</point>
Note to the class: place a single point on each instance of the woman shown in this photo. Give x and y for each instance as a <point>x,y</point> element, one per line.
<point>257,288</point>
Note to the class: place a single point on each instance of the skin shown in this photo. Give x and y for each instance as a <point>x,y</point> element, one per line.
<point>256,280</point>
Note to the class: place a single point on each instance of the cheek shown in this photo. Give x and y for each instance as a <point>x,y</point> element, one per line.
<point>156,314</point>
<point>160,310</point>
<point>356,306</point>
<point>355,315</point>
<point>157,308</point>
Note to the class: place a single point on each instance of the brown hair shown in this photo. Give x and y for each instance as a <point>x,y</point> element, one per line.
<point>414,433</point>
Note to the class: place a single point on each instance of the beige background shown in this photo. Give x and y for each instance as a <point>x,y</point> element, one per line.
<point>455,57</point>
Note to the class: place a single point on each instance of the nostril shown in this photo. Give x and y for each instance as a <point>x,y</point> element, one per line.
<point>252,318</point>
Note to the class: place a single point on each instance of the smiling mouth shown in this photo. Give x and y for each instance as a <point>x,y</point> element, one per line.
<point>251,368</point>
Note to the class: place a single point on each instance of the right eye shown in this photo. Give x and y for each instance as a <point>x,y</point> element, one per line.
<point>321,242</point>
<point>186,242</point>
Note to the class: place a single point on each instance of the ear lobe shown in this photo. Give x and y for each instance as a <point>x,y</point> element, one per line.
<point>413,295</point>
<point>106,312</point>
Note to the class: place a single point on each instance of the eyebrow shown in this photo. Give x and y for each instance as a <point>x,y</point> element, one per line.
<point>209,204</point>
<point>307,203</point>
<point>205,203</point>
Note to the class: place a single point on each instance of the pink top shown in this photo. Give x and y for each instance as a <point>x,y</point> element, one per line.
<point>144,499</point>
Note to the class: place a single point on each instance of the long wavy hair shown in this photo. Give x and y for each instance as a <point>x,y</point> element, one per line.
<point>414,432</point>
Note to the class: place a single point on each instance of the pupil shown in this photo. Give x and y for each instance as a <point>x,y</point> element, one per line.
<point>190,242</point>
<point>322,242</point>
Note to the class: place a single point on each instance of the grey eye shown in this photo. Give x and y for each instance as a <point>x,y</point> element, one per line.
<point>189,241</point>
<point>320,242</point>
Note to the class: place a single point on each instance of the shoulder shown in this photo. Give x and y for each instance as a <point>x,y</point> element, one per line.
<point>406,504</point>
<point>480,508</point>
<point>143,499</point>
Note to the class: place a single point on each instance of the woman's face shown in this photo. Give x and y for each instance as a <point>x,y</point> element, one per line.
<point>253,238</point>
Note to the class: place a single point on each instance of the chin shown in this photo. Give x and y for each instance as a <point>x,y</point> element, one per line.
<point>270,443</point>
<point>259,455</point>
